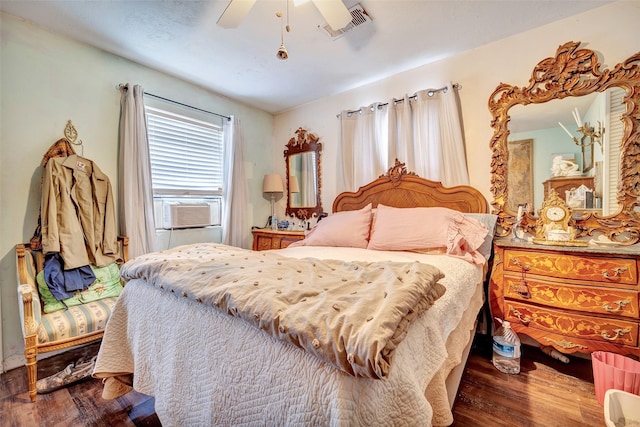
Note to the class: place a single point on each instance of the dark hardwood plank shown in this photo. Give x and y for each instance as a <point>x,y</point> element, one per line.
<point>546,393</point>
<point>80,404</point>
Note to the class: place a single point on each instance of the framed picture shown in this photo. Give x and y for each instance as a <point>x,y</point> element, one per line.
<point>587,158</point>
<point>520,178</point>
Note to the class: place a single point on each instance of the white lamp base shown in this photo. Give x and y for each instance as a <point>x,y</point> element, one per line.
<point>274,224</point>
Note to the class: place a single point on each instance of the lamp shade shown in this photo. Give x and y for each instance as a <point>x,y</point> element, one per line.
<point>294,187</point>
<point>272,183</point>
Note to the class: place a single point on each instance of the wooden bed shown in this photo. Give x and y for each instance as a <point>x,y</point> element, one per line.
<point>206,367</point>
<point>402,189</point>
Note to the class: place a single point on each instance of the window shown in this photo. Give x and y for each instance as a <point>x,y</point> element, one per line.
<point>187,166</point>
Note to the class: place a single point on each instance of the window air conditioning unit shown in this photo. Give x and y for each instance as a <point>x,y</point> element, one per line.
<point>186,215</point>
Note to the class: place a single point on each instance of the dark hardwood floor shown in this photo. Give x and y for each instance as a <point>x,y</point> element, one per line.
<point>546,393</point>
<point>80,404</point>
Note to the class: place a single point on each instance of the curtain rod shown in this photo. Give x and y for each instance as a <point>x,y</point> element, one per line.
<point>122,86</point>
<point>430,92</point>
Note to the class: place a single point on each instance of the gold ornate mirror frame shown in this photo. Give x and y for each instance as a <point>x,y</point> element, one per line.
<point>573,72</point>
<point>304,142</point>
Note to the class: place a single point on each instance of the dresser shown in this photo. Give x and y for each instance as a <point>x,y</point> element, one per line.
<point>576,299</point>
<point>266,238</point>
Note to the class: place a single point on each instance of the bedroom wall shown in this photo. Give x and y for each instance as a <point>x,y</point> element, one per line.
<point>47,79</point>
<point>611,30</point>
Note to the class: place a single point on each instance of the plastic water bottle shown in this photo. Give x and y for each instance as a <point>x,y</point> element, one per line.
<point>274,222</point>
<point>506,349</point>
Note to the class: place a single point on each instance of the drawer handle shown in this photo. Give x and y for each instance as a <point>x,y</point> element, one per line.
<point>524,319</point>
<point>620,306</point>
<point>566,344</point>
<point>521,289</point>
<point>617,272</point>
<point>524,268</point>
<point>618,334</point>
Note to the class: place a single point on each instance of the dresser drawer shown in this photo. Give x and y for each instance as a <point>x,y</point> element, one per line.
<point>263,243</point>
<point>592,299</point>
<point>286,241</point>
<point>603,329</point>
<point>608,270</point>
<point>266,239</point>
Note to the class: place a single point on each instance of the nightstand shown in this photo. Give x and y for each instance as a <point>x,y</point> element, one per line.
<point>266,238</point>
<point>576,299</point>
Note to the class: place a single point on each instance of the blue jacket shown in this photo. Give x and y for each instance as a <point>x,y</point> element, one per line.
<point>64,283</point>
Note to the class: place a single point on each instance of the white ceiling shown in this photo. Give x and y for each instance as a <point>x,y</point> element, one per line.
<point>181,38</point>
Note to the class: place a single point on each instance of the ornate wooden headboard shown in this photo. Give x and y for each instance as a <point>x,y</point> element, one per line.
<point>401,189</point>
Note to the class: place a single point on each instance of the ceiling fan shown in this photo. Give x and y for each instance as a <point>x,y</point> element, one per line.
<point>334,12</point>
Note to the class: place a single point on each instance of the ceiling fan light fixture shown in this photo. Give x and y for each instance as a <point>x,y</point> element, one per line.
<point>282,53</point>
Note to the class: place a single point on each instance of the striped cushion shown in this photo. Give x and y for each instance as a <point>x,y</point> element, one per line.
<point>75,321</point>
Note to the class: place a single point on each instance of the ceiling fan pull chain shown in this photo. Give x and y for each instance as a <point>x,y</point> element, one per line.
<point>282,51</point>
<point>288,27</point>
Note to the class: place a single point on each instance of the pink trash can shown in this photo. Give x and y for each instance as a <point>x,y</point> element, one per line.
<point>611,370</point>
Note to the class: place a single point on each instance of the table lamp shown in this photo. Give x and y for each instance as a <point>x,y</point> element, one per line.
<point>272,184</point>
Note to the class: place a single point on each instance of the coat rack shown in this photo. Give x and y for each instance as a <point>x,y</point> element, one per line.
<point>71,133</point>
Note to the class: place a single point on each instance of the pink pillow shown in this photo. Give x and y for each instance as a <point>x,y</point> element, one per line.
<point>410,229</point>
<point>348,228</point>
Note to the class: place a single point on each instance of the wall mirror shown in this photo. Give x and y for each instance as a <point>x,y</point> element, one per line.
<point>302,158</point>
<point>559,86</point>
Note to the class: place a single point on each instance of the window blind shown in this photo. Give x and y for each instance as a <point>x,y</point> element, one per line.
<point>186,155</point>
<point>616,132</point>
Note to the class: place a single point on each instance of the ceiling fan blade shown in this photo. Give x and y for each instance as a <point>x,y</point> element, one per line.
<point>235,12</point>
<point>335,12</point>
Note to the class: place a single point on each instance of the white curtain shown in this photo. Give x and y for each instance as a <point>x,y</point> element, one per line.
<point>346,161</point>
<point>426,136</point>
<point>364,146</point>
<point>401,133</point>
<point>235,222</point>
<point>424,131</point>
<point>134,174</point>
<point>454,164</point>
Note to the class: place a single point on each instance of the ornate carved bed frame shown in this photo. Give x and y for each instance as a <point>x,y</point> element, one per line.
<point>401,189</point>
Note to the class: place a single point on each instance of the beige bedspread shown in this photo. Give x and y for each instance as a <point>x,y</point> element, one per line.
<point>351,314</point>
<point>204,367</point>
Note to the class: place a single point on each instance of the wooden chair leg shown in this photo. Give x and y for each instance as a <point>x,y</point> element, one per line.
<point>31,357</point>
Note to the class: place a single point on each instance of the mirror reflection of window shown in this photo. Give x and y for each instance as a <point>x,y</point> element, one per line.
<point>614,131</point>
<point>308,180</point>
<point>295,170</point>
<point>302,167</point>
